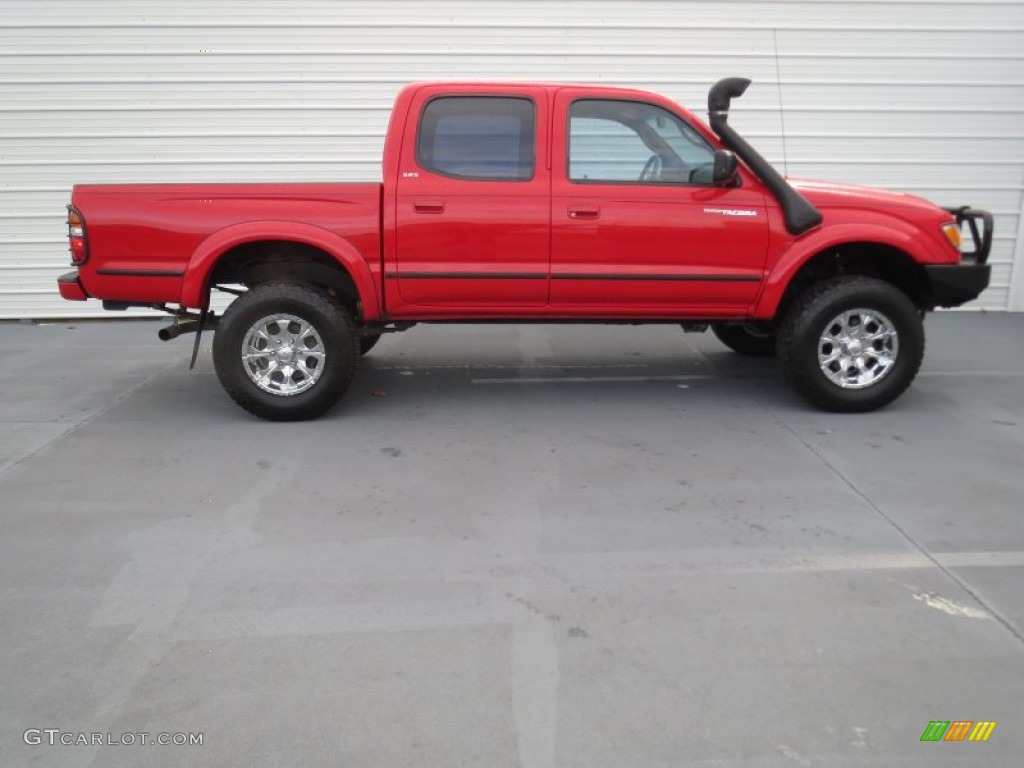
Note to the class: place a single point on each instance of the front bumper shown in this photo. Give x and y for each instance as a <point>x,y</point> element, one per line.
<point>954,284</point>
<point>70,288</point>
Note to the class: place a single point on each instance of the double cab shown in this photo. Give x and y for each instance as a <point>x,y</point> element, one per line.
<point>536,203</point>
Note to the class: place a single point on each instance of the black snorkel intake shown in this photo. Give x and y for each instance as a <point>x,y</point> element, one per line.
<point>798,213</point>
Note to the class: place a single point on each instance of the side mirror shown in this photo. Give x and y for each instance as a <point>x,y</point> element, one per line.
<point>726,167</point>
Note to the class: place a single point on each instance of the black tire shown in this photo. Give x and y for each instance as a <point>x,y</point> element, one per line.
<point>336,341</point>
<point>751,339</point>
<point>366,343</point>
<point>802,337</point>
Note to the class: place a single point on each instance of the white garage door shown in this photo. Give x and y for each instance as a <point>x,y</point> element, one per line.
<point>926,97</point>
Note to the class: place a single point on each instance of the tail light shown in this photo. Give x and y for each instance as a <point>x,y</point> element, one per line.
<point>78,243</point>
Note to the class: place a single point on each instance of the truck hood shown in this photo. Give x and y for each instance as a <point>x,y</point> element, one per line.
<point>826,194</point>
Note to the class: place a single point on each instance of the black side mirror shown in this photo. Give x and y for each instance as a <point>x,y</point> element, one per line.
<point>726,167</point>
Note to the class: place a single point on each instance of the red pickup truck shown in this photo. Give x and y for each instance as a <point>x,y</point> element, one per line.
<point>534,203</point>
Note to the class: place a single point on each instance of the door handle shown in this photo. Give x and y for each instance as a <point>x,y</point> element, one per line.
<point>576,212</point>
<point>428,206</point>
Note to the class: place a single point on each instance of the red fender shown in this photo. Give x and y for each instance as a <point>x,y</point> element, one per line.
<point>194,287</point>
<point>891,232</point>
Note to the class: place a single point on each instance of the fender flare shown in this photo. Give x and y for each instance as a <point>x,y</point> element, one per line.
<point>901,238</point>
<point>194,288</point>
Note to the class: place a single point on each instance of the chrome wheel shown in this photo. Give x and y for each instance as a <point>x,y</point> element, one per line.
<point>858,348</point>
<point>283,354</point>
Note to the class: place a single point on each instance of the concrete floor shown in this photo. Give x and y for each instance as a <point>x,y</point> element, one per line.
<point>511,545</point>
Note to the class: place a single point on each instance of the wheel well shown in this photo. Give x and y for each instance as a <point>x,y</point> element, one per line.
<point>253,263</point>
<point>871,259</point>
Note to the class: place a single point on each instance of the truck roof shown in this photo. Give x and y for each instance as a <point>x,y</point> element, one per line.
<point>546,86</point>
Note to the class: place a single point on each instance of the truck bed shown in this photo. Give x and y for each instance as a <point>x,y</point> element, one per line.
<point>142,238</point>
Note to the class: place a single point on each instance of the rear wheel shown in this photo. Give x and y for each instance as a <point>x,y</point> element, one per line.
<point>752,339</point>
<point>851,344</point>
<point>285,351</point>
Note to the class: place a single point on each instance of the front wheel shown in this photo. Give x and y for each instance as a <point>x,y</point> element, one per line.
<point>285,351</point>
<point>851,344</point>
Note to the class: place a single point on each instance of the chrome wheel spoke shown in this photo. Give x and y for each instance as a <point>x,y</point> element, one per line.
<point>264,375</point>
<point>307,369</point>
<point>829,357</point>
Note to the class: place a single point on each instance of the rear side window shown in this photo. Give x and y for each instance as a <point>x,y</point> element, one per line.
<point>489,138</point>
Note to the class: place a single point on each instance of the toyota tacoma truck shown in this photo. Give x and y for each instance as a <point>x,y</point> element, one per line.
<point>536,203</point>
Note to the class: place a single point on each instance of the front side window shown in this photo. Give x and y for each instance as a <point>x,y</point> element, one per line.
<point>631,141</point>
<point>488,138</point>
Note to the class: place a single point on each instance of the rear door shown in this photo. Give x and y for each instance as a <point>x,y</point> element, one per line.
<point>473,199</point>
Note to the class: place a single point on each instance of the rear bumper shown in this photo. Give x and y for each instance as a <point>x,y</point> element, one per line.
<point>70,288</point>
<point>955,284</point>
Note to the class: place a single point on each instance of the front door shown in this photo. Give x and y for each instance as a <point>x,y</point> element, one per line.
<point>638,227</point>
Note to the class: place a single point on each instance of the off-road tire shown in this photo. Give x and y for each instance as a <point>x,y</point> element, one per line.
<point>746,339</point>
<point>803,326</point>
<point>334,327</point>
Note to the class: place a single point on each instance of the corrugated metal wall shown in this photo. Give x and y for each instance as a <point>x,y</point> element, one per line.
<point>926,97</point>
